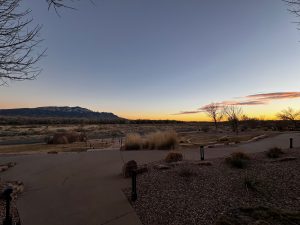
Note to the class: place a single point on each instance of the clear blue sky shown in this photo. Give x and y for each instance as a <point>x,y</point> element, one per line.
<point>154,58</point>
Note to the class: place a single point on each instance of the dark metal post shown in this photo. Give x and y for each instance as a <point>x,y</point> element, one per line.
<point>133,186</point>
<point>291,142</point>
<point>202,152</point>
<point>6,194</point>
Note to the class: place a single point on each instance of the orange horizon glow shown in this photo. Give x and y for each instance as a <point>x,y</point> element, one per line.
<point>266,111</point>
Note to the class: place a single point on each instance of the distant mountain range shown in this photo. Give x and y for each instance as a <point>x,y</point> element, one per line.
<point>59,112</point>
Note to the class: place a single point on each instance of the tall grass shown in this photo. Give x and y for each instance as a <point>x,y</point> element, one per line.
<point>133,142</point>
<point>158,140</point>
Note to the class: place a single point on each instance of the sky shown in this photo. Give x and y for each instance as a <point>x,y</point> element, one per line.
<point>164,59</point>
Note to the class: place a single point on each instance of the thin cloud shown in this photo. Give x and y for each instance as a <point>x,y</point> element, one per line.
<point>249,100</point>
<point>274,96</point>
<point>187,112</point>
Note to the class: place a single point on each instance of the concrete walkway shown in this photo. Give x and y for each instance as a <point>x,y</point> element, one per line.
<point>86,188</point>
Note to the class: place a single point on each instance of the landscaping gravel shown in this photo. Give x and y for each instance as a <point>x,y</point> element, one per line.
<point>191,194</point>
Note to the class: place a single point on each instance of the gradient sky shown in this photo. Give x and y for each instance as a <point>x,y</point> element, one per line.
<point>157,58</point>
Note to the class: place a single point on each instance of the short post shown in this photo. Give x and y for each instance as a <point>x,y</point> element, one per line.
<point>133,186</point>
<point>291,142</point>
<point>6,195</point>
<point>202,152</point>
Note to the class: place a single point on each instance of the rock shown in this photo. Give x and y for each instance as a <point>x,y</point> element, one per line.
<point>285,159</point>
<point>52,152</point>
<point>3,168</point>
<point>176,163</point>
<point>128,168</point>
<point>203,163</point>
<point>162,167</point>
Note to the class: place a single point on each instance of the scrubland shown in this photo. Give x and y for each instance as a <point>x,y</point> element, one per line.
<point>33,138</point>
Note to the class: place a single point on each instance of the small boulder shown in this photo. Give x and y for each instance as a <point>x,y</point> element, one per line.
<point>3,168</point>
<point>162,167</point>
<point>285,159</point>
<point>128,168</point>
<point>203,163</point>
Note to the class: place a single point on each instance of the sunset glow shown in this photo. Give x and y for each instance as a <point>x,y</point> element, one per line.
<point>165,59</point>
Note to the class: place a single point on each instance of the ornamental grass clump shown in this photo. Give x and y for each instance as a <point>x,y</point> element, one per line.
<point>238,160</point>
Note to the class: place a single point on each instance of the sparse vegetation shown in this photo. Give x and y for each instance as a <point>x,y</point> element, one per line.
<point>238,160</point>
<point>133,142</point>
<point>157,140</point>
<point>162,140</point>
<point>173,157</point>
<point>274,152</point>
<point>186,172</point>
<point>250,183</point>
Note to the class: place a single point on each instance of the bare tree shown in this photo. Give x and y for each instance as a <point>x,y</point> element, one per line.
<point>19,41</point>
<point>289,114</point>
<point>294,7</point>
<point>233,114</point>
<point>215,112</point>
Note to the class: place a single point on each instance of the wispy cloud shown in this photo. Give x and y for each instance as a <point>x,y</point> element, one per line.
<point>187,112</point>
<point>249,100</point>
<point>274,96</point>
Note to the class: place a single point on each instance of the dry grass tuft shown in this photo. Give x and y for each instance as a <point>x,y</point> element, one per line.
<point>133,142</point>
<point>173,157</point>
<point>238,160</point>
<point>274,152</point>
<point>158,140</point>
<point>186,172</point>
<point>162,140</point>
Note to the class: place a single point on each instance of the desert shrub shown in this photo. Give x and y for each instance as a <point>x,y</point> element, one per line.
<point>161,140</point>
<point>224,139</point>
<point>66,138</point>
<point>157,140</point>
<point>133,142</point>
<point>186,172</point>
<point>173,157</point>
<point>61,130</point>
<point>205,129</point>
<point>250,183</point>
<point>274,152</point>
<point>238,160</point>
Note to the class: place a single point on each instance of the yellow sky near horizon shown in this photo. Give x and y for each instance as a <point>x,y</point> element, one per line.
<point>266,111</point>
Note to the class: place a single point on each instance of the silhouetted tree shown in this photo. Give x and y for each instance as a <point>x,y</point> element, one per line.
<point>19,41</point>
<point>289,114</point>
<point>233,114</point>
<point>215,112</point>
<point>294,7</point>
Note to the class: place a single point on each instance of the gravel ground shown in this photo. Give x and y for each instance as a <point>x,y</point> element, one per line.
<point>17,187</point>
<point>193,194</point>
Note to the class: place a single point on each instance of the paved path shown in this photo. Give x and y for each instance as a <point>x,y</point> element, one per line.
<point>85,188</point>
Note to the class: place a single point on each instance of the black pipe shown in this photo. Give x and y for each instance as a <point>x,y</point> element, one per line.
<point>7,196</point>
<point>133,186</point>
